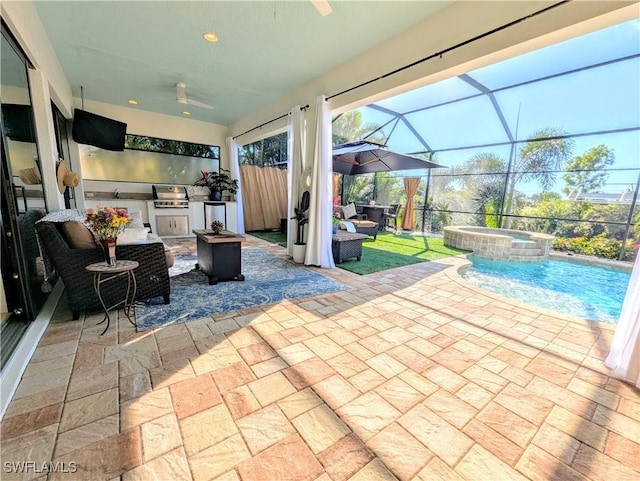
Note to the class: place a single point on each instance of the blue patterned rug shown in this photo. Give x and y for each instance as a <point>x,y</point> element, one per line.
<point>268,279</point>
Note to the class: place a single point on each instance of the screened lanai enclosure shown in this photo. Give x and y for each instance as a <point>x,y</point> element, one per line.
<point>548,141</point>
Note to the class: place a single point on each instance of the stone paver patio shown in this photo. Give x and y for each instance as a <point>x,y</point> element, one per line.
<point>411,374</point>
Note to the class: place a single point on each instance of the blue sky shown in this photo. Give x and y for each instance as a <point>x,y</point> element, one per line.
<point>589,100</point>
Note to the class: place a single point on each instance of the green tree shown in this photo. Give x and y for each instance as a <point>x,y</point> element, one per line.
<point>487,203</point>
<point>480,169</point>
<point>357,188</point>
<point>268,152</point>
<point>537,161</point>
<point>348,127</point>
<point>586,172</point>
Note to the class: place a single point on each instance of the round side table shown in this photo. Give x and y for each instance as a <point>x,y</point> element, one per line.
<point>103,274</point>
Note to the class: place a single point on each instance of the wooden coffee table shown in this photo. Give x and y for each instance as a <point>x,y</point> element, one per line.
<point>219,255</point>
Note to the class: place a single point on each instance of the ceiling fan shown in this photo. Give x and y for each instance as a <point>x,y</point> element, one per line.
<point>181,97</point>
<point>322,6</point>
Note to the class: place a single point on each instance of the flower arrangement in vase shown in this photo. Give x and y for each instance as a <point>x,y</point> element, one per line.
<point>106,223</point>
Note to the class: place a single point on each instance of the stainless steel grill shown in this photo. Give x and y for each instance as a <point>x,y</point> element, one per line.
<point>170,197</point>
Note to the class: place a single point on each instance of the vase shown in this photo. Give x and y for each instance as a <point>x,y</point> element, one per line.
<point>109,248</point>
<point>298,252</point>
<point>215,195</point>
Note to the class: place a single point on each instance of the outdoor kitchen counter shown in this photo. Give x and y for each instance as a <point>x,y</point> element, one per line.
<point>111,196</point>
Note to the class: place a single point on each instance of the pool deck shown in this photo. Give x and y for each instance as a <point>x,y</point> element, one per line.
<point>412,374</point>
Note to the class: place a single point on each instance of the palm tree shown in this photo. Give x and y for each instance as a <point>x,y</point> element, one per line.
<point>538,160</point>
<point>484,168</point>
<point>348,127</point>
<point>488,202</point>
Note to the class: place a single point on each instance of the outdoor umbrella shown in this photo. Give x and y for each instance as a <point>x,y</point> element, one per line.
<point>364,157</point>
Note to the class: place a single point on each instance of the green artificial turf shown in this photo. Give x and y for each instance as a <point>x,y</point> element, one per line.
<point>389,250</point>
<point>396,250</point>
<point>275,237</point>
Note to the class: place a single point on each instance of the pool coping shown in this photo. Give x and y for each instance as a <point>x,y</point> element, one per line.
<point>453,273</point>
<point>590,260</point>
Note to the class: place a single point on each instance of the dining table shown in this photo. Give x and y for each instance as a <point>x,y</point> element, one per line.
<point>375,212</point>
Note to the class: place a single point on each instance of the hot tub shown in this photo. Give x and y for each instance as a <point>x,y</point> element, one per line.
<point>503,244</point>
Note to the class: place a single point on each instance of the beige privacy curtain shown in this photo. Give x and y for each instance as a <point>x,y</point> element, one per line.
<point>409,219</point>
<point>336,186</point>
<point>264,195</point>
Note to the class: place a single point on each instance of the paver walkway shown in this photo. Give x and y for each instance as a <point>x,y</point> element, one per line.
<point>411,374</point>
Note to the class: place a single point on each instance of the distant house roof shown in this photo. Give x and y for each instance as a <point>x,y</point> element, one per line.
<point>602,198</point>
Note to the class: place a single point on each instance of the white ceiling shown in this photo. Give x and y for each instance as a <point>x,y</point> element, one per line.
<point>119,50</point>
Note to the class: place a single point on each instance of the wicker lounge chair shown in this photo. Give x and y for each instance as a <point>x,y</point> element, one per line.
<point>361,223</point>
<point>152,276</point>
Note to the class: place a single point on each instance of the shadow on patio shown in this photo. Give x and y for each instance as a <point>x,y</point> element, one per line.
<point>408,375</point>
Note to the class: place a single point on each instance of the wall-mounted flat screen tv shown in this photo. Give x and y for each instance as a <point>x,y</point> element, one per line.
<point>99,131</point>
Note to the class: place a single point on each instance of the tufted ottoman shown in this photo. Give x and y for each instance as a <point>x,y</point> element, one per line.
<point>345,245</point>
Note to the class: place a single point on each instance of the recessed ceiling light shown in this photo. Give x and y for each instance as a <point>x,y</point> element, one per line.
<point>210,37</point>
<point>133,102</point>
<point>186,112</point>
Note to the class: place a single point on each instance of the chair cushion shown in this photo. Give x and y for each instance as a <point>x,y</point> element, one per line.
<point>364,223</point>
<point>78,235</point>
<point>349,211</point>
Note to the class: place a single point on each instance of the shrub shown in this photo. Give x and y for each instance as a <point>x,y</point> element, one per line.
<point>599,246</point>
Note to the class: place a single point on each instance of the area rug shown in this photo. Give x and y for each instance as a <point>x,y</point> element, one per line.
<point>268,279</point>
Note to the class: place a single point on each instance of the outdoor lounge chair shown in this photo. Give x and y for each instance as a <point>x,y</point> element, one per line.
<point>362,225</point>
<point>152,276</point>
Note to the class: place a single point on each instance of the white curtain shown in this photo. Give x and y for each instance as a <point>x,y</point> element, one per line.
<point>321,206</point>
<point>624,357</point>
<point>234,169</point>
<point>295,168</point>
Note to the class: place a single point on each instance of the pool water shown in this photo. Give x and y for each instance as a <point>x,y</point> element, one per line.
<point>583,290</point>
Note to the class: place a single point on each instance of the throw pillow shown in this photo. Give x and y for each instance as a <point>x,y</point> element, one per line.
<point>349,211</point>
<point>78,235</point>
<point>132,236</point>
<point>135,220</point>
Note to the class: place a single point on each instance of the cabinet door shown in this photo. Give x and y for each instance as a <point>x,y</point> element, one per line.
<point>174,225</point>
<point>181,225</point>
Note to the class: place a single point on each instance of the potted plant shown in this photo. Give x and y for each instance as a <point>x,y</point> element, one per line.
<point>299,247</point>
<point>218,182</point>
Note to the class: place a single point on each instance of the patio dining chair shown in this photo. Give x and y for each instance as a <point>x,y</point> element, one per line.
<point>392,217</point>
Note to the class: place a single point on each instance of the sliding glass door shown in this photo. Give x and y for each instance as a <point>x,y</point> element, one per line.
<point>23,293</point>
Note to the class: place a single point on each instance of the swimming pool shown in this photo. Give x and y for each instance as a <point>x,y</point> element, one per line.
<point>583,290</point>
